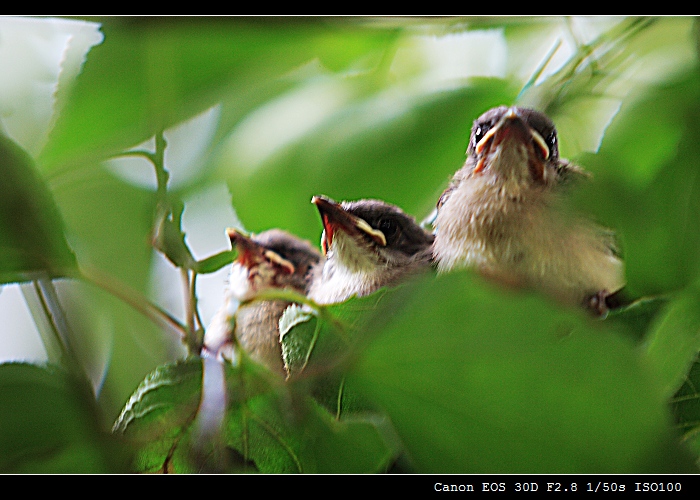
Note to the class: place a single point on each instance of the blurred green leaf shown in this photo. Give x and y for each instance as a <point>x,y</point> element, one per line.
<point>478,380</point>
<point>31,229</point>
<point>269,427</point>
<point>686,409</point>
<point>158,417</point>
<point>674,341</point>
<point>316,342</point>
<point>404,154</point>
<point>49,424</point>
<point>154,72</point>
<point>215,262</point>
<point>657,220</point>
<point>452,374</point>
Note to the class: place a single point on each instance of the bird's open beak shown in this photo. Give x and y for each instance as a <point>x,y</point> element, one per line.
<point>512,127</point>
<point>335,217</point>
<point>251,253</point>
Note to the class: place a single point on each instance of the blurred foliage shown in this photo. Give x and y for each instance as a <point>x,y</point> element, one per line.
<point>31,231</point>
<point>49,424</point>
<point>443,374</point>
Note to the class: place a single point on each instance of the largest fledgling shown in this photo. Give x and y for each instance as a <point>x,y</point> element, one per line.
<point>503,214</point>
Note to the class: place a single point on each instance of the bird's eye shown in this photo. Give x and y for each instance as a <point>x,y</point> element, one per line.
<point>551,141</point>
<point>389,227</point>
<point>479,132</point>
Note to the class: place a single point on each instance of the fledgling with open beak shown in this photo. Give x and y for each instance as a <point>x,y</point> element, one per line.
<point>368,244</point>
<point>272,259</point>
<point>503,214</point>
<point>269,260</point>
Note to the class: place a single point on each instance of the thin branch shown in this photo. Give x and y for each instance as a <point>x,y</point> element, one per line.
<point>50,319</point>
<point>150,156</point>
<point>339,404</point>
<point>162,175</point>
<point>134,299</point>
<point>191,340</point>
<point>195,302</point>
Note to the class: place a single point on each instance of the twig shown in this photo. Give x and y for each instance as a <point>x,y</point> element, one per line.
<point>135,299</point>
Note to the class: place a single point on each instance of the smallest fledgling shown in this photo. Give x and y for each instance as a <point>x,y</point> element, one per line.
<point>272,259</point>
<point>368,244</point>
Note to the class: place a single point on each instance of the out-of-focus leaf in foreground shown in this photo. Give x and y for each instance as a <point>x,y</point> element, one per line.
<point>650,193</point>
<point>48,423</point>
<point>686,408</point>
<point>317,342</point>
<point>478,380</point>
<point>31,229</point>
<point>154,72</point>
<point>269,427</point>
<point>674,340</point>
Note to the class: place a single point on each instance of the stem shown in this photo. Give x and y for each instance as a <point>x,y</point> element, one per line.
<point>339,406</point>
<point>135,299</point>
<point>42,319</point>
<point>162,175</point>
<point>193,298</point>
<point>49,297</point>
<point>136,152</point>
<point>50,319</point>
<point>191,340</point>
<point>164,211</point>
<point>42,299</point>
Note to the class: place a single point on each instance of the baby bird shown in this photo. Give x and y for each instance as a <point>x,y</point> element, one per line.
<point>272,259</point>
<point>502,214</point>
<point>368,244</point>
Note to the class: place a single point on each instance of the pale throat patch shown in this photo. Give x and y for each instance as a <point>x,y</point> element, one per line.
<point>354,271</point>
<point>243,284</point>
<point>510,163</point>
<point>348,254</point>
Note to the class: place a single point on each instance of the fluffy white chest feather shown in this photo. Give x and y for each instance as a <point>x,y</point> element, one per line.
<point>349,270</point>
<point>518,236</point>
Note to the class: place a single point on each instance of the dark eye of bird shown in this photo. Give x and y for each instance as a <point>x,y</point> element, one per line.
<point>479,132</point>
<point>389,227</point>
<point>551,141</point>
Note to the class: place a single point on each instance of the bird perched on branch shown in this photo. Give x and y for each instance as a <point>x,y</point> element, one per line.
<point>503,214</point>
<point>368,244</point>
<point>269,260</point>
<point>273,259</point>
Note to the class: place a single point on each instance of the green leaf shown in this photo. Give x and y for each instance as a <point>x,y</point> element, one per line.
<point>215,262</point>
<point>674,341</point>
<point>161,71</point>
<point>288,432</point>
<point>480,380</point>
<point>269,427</point>
<point>170,239</point>
<point>647,187</point>
<point>686,408</point>
<point>404,154</point>
<point>637,317</point>
<point>158,417</point>
<point>297,347</point>
<point>321,340</point>
<point>31,229</point>
<point>49,424</point>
